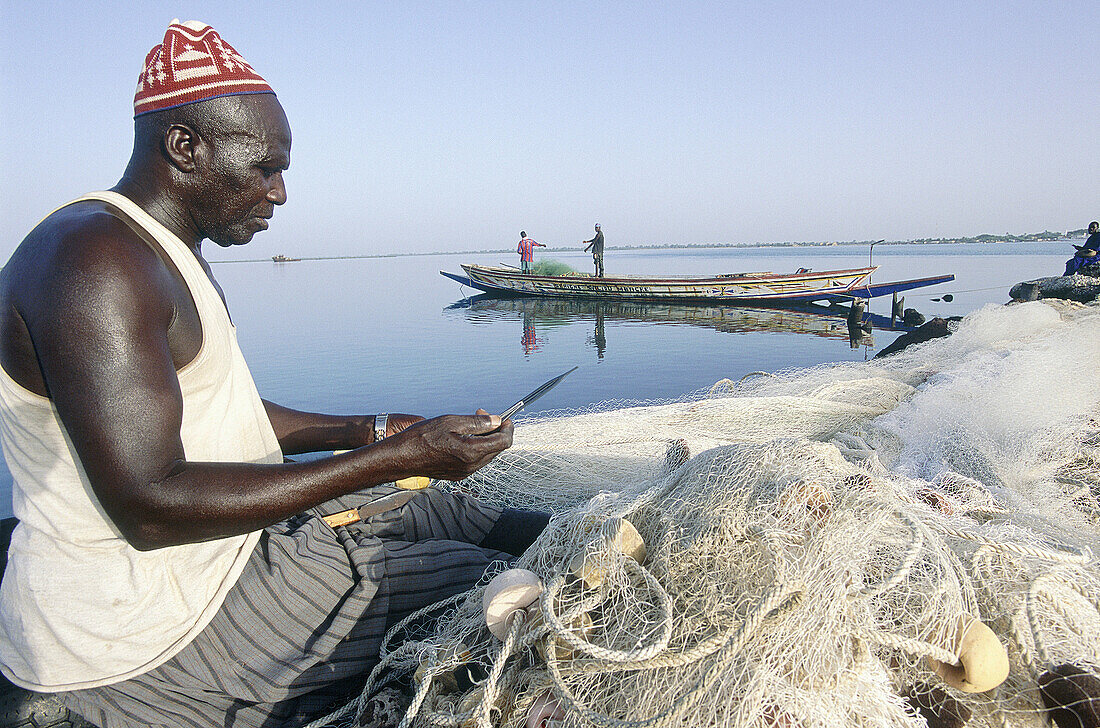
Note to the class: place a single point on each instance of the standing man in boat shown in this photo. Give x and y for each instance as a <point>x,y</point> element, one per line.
<point>596,244</point>
<point>169,568</point>
<point>526,250</point>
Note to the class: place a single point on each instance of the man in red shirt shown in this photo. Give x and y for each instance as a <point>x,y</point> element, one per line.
<point>526,250</point>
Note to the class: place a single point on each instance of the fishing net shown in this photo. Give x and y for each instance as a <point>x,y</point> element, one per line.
<point>864,544</point>
<point>551,267</point>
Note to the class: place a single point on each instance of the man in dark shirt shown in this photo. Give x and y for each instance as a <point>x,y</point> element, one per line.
<point>1086,255</point>
<point>596,244</point>
<point>1093,243</point>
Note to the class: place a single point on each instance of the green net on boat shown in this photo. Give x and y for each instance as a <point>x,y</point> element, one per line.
<point>909,541</point>
<point>551,267</point>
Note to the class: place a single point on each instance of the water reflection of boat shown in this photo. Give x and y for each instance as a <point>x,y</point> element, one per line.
<point>834,321</point>
<point>807,318</point>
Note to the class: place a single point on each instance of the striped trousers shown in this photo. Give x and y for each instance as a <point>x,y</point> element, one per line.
<point>301,629</point>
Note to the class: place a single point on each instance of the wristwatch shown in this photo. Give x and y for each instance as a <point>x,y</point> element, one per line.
<point>380,421</point>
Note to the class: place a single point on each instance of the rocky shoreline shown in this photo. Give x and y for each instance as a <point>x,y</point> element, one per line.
<point>1079,287</point>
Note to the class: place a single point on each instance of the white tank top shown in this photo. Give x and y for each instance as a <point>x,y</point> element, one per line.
<point>79,607</point>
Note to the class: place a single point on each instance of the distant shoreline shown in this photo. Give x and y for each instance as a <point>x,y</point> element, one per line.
<point>1044,237</point>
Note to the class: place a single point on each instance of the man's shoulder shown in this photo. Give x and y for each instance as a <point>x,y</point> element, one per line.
<point>86,245</point>
<point>85,234</point>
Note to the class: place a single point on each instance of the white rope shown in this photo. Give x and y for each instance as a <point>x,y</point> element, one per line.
<point>1040,587</point>
<point>387,657</point>
<point>1062,554</point>
<point>916,545</point>
<point>664,618</point>
<point>912,646</point>
<point>491,686</point>
<point>420,695</point>
<point>780,595</point>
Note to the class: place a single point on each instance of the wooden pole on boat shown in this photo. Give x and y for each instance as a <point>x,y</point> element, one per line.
<point>871,252</point>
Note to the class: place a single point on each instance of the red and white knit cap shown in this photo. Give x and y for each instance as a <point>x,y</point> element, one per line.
<point>193,64</point>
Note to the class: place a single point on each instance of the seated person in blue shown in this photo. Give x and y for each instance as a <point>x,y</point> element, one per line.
<point>1086,255</point>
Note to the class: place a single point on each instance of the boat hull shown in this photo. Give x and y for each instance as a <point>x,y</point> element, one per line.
<point>835,285</point>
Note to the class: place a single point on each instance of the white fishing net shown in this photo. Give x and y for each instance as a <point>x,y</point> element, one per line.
<point>816,540</point>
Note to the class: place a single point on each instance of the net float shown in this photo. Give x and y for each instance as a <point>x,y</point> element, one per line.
<point>546,708</point>
<point>936,501</point>
<point>510,592</point>
<point>983,661</point>
<point>588,566</point>
<point>808,495</point>
<point>582,625</point>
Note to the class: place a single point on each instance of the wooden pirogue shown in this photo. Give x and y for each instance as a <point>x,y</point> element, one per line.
<point>803,285</point>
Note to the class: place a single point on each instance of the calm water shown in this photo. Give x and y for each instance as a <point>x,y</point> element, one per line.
<point>391,334</point>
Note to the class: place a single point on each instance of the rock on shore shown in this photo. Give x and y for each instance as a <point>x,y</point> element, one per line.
<point>934,329</point>
<point>1081,288</point>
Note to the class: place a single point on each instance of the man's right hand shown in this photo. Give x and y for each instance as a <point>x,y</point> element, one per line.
<point>450,447</point>
<point>398,422</point>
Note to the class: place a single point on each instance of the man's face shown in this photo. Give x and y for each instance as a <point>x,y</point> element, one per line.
<point>241,173</point>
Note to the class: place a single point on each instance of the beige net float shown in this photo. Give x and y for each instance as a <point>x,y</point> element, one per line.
<point>591,567</point>
<point>982,662</point>
<point>508,594</point>
<point>903,542</point>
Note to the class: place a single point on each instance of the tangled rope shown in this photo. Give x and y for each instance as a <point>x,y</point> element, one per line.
<point>823,544</point>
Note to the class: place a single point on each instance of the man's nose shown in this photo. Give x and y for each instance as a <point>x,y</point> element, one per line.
<point>277,192</point>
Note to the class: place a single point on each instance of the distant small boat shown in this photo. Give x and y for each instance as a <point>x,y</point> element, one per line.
<point>802,285</point>
<point>283,259</point>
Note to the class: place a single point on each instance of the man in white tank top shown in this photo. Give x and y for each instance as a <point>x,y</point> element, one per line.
<point>116,348</point>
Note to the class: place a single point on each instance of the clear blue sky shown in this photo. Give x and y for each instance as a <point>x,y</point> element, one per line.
<point>451,125</point>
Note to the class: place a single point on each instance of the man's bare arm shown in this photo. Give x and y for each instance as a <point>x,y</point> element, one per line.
<point>99,319</point>
<point>301,432</point>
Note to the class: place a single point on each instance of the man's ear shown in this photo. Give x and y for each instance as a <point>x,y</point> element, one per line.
<point>180,144</point>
